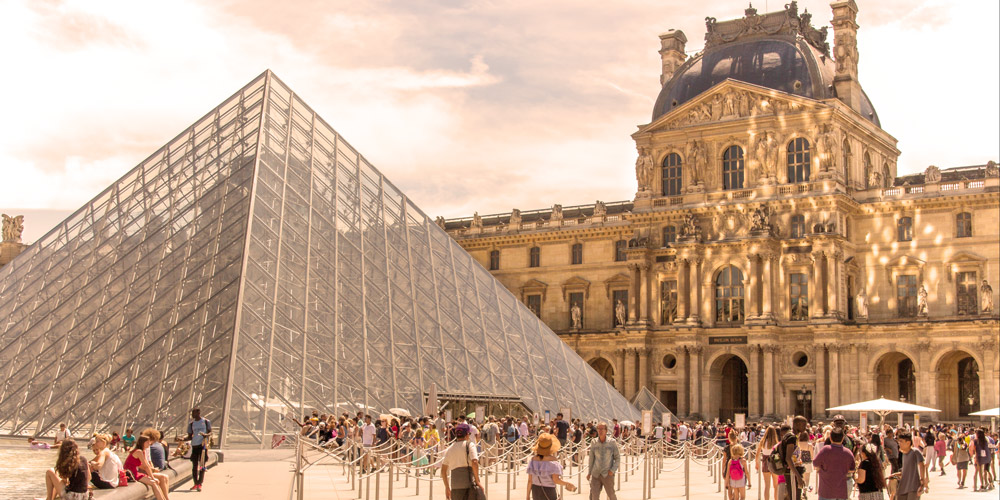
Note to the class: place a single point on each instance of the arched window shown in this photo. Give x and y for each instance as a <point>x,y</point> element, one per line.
<point>577,253</point>
<point>846,150</point>
<point>732,168</point>
<point>729,296</point>
<point>904,229</point>
<point>669,235</point>
<point>886,176</point>
<point>620,247</point>
<point>798,160</point>
<point>494,260</point>
<point>534,257</point>
<point>798,226</point>
<point>963,225</point>
<point>672,175</point>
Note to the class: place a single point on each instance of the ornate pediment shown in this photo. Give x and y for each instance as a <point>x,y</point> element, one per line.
<point>532,287</point>
<point>574,284</point>
<point>616,281</point>
<point>731,100</point>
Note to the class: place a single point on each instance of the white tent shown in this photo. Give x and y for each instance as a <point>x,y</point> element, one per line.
<point>883,407</point>
<point>992,412</point>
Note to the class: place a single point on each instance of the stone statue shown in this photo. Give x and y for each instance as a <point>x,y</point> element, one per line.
<point>986,297</point>
<point>668,310</point>
<point>922,301</point>
<point>828,146</point>
<point>515,219</point>
<point>644,170</point>
<point>696,161</point>
<point>600,210</point>
<point>991,169</point>
<point>874,179</point>
<point>932,175</point>
<point>619,314</point>
<point>477,221</point>
<point>801,310</point>
<point>12,228</point>
<point>862,302</point>
<point>557,214</point>
<point>765,153</point>
<point>760,219</point>
<point>576,315</point>
<point>690,228</point>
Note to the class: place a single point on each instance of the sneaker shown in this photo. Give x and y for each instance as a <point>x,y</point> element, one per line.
<point>198,488</point>
<point>194,488</point>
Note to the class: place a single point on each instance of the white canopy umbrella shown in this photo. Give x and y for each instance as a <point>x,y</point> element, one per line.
<point>993,412</point>
<point>400,412</point>
<point>626,423</point>
<point>883,407</point>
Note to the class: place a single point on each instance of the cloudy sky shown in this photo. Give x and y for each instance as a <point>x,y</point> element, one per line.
<point>466,105</point>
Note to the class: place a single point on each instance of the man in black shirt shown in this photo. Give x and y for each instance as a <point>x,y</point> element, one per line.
<point>789,442</point>
<point>562,429</point>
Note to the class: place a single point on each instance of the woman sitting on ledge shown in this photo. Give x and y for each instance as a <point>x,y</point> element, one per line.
<point>69,478</point>
<point>137,460</point>
<point>106,467</point>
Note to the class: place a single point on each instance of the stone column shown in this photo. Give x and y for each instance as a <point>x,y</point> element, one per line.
<point>644,292</point>
<point>753,383</point>
<point>683,295</point>
<point>769,382</point>
<point>834,375</point>
<point>683,391</point>
<point>767,291</point>
<point>643,368</point>
<point>657,299</point>
<point>630,369</point>
<point>694,265</point>
<point>819,396</point>
<point>926,390</point>
<point>633,272</point>
<point>696,379</point>
<point>753,287</point>
<point>620,378</point>
<point>816,286</point>
<point>988,381</point>
<point>832,286</point>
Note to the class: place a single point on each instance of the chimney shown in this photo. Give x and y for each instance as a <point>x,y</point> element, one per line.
<point>671,53</point>
<point>845,50</point>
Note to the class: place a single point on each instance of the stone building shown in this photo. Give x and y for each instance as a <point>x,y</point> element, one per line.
<point>771,262</point>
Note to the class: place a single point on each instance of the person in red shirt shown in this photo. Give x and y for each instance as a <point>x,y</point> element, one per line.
<point>833,463</point>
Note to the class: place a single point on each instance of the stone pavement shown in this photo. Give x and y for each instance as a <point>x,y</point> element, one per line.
<point>267,475</point>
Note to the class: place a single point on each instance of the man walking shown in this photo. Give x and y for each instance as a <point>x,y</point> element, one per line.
<point>604,458</point>
<point>562,429</point>
<point>462,460</point>
<point>789,441</point>
<point>198,429</point>
<point>913,477</point>
<point>832,464</point>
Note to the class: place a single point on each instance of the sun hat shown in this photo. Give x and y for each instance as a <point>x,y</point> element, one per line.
<point>547,445</point>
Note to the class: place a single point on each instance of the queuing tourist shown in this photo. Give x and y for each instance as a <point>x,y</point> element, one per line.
<point>912,475</point>
<point>106,467</point>
<point>789,443</point>
<point>368,432</point>
<point>544,470</point>
<point>461,459</point>
<point>735,473</point>
<point>833,464</point>
<point>870,474</point>
<point>199,432</point>
<point>138,466</point>
<point>763,461</point>
<point>603,458</point>
<point>562,429</point>
<point>68,480</point>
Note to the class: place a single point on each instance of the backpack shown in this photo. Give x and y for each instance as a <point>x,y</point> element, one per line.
<point>735,470</point>
<point>778,464</point>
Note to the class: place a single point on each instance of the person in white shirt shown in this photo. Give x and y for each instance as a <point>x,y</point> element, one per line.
<point>367,441</point>
<point>462,460</point>
<point>522,430</point>
<point>62,434</point>
<point>682,432</point>
<point>658,432</point>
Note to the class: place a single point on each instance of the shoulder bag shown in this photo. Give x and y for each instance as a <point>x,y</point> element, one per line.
<point>477,491</point>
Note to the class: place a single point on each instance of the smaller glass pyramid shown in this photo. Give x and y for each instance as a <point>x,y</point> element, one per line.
<point>257,266</point>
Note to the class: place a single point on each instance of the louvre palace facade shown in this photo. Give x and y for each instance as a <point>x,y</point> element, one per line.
<point>771,261</point>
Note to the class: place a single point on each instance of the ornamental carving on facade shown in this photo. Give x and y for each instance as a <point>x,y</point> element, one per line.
<point>932,174</point>
<point>690,230</point>
<point>12,228</point>
<point>439,221</point>
<point>697,157</point>
<point>645,170</point>
<point>600,210</point>
<point>730,225</point>
<point>477,221</point>
<point>515,218</point>
<point>991,169</point>
<point>557,214</point>
<point>828,146</point>
<point>783,22</point>
<point>765,151</point>
<point>986,299</point>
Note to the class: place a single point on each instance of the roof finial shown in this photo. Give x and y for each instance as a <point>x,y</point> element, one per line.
<point>750,11</point>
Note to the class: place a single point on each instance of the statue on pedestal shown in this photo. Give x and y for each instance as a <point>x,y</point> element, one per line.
<point>619,314</point>
<point>576,315</point>
<point>986,299</point>
<point>644,170</point>
<point>922,301</point>
<point>515,219</point>
<point>862,302</point>
<point>600,209</point>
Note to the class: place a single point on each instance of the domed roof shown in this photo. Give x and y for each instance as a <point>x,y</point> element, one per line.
<point>778,62</point>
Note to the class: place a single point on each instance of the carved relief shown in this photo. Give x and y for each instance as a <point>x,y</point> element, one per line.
<point>690,230</point>
<point>932,174</point>
<point>765,151</point>
<point>515,219</point>
<point>730,225</point>
<point>600,210</point>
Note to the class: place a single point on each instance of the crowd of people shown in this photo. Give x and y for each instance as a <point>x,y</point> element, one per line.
<point>145,460</point>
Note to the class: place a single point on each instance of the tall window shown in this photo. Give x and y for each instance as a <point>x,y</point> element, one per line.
<point>732,168</point>
<point>963,225</point>
<point>669,235</point>
<point>668,302</point>
<point>535,304</point>
<point>534,257</point>
<point>576,254</point>
<point>576,298</point>
<point>616,297</point>
<point>966,293</point>
<point>672,175</point>
<point>799,297</point>
<point>494,260</point>
<point>798,160</point>
<point>798,226</point>
<point>906,295</point>
<point>729,296</point>
<point>620,247</point>
<point>904,229</point>
<point>846,150</point>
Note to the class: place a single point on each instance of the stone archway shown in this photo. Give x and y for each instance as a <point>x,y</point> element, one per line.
<point>729,388</point>
<point>895,377</point>
<point>604,368</point>
<point>958,386</point>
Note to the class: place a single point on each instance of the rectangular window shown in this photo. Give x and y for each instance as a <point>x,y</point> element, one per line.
<point>668,302</point>
<point>619,297</point>
<point>966,293</point>
<point>535,257</point>
<point>494,260</point>
<point>620,247</point>
<point>963,223</point>
<point>798,297</point>
<point>534,303</point>
<point>906,295</point>
<point>905,226</point>
<point>577,253</point>
<point>798,226</point>
<point>575,298</point>
<point>669,235</point>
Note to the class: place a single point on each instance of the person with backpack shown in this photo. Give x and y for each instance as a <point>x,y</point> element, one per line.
<point>833,464</point>
<point>786,453</point>
<point>200,434</point>
<point>960,457</point>
<point>735,475</point>
<point>764,450</point>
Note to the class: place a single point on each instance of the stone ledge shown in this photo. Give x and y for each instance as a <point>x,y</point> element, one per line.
<point>179,472</point>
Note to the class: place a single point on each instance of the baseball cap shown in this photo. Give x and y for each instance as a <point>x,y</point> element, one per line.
<point>461,430</point>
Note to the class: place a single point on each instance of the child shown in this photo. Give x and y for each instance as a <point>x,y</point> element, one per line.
<point>128,440</point>
<point>736,473</point>
<point>116,442</point>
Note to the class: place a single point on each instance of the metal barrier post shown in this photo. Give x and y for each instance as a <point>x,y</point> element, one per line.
<point>378,483</point>
<point>391,479</point>
<point>720,476</point>
<point>430,488</point>
<point>687,472</point>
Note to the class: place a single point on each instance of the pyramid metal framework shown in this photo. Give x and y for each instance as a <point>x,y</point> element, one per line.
<point>258,266</point>
<point>645,400</point>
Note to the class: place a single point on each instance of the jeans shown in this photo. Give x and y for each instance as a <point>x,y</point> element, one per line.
<point>197,473</point>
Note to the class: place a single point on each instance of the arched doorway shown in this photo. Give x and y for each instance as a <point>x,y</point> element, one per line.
<point>895,378</point>
<point>957,385</point>
<point>733,395</point>
<point>604,369</point>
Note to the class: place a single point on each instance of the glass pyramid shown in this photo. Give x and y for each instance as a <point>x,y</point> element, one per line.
<point>258,266</point>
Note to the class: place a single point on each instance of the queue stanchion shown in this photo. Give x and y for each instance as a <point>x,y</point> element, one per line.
<point>687,471</point>
<point>378,483</point>
<point>758,467</point>
<point>721,476</point>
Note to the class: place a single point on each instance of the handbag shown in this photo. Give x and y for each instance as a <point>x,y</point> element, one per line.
<point>477,491</point>
<point>122,478</point>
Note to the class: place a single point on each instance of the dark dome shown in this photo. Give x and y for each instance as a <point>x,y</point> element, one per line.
<point>779,63</point>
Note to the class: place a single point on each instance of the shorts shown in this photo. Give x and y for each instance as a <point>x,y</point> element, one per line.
<point>72,495</point>
<point>738,483</point>
<point>962,466</point>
